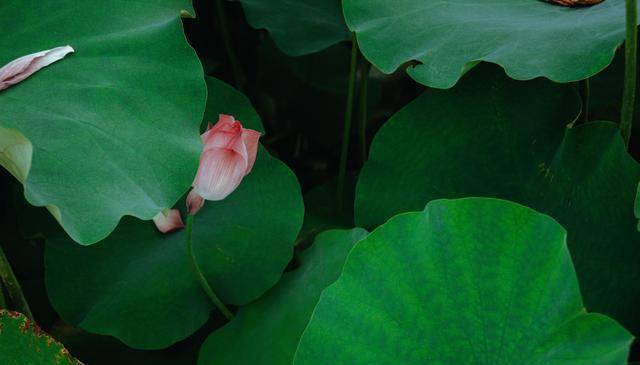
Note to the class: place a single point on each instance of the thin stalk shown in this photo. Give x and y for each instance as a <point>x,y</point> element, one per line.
<point>344,151</point>
<point>3,301</point>
<point>630,56</point>
<point>13,286</point>
<point>585,91</point>
<point>238,75</point>
<point>203,281</point>
<point>365,67</point>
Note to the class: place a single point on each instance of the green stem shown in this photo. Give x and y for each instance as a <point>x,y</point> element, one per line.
<point>3,301</point>
<point>630,53</point>
<point>13,286</point>
<point>364,74</point>
<point>238,75</point>
<point>585,90</point>
<point>203,281</point>
<point>346,132</point>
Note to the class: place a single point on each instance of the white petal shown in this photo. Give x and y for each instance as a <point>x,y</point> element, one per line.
<point>25,66</point>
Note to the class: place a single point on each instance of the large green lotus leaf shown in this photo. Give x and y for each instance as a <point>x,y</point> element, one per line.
<point>496,137</point>
<point>138,285</point>
<point>528,38</point>
<point>22,342</point>
<point>298,27</point>
<point>224,99</point>
<point>470,281</point>
<point>267,331</point>
<point>111,130</point>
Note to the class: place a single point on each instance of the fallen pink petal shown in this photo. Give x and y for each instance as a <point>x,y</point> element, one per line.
<point>25,66</point>
<point>168,220</point>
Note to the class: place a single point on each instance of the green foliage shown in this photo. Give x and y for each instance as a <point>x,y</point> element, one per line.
<point>494,137</point>
<point>489,282</point>
<point>92,147</point>
<point>138,284</point>
<point>268,330</point>
<point>23,342</point>
<point>528,38</point>
<point>224,99</point>
<point>105,140</point>
<point>298,27</point>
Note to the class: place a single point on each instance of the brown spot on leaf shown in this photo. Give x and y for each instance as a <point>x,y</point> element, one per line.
<point>26,323</point>
<point>13,314</point>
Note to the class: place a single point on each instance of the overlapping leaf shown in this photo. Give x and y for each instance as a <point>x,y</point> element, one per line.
<point>495,137</point>
<point>112,129</point>
<point>138,284</point>
<point>23,342</point>
<point>268,330</point>
<point>298,27</point>
<point>529,38</point>
<point>477,280</point>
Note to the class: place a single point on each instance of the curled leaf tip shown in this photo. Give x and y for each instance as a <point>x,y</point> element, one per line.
<point>25,66</point>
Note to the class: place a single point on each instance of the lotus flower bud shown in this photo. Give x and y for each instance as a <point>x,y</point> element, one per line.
<point>168,220</point>
<point>25,66</point>
<point>228,155</point>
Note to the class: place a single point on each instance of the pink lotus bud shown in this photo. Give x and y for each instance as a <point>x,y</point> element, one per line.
<point>23,67</point>
<point>168,220</point>
<point>228,155</point>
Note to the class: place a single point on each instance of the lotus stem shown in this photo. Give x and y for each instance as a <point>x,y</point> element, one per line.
<point>203,281</point>
<point>346,132</point>
<point>3,301</point>
<point>13,286</point>
<point>364,74</point>
<point>630,53</point>
<point>585,91</point>
<point>236,69</point>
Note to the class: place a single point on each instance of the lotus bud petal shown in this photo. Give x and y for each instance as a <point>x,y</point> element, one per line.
<point>194,202</point>
<point>168,220</point>
<point>25,66</point>
<point>228,155</point>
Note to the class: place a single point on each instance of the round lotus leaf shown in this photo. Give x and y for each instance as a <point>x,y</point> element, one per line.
<point>495,137</point>
<point>299,27</point>
<point>138,284</point>
<point>112,129</point>
<point>476,280</point>
<point>22,342</point>
<point>267,331</point>
<point>528,38</point>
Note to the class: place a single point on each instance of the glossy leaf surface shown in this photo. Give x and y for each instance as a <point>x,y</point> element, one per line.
<point>111,130</point>
<point>138,284</point>
<point>23,342</point>
<point>267,331</point>
<point>495,137</point>
<point>477,280</point>
<point>299,27</point>
<point>528,38</point>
